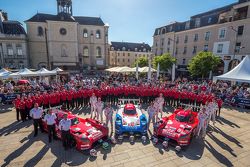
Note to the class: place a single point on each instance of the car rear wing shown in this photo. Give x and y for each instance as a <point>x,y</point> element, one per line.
<point>125,101</point>
<point>186,106</point>
<point>53,108</point>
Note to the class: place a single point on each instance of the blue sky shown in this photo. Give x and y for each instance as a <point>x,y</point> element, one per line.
<point>129,20</point>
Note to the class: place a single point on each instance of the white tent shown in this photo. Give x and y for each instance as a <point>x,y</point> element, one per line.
<point>57,70</point>
<point>45,72</point>
<point>3,70</point>
<point>112,69</point>
<point>240,73</point>
<point>146,69</point>
<point>24,73</point>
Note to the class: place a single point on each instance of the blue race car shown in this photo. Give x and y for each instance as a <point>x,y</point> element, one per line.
<point>130,121</point>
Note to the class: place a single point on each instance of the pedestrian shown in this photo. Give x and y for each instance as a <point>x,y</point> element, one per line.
<point>64,126</point>
<point>50,120</point>
<point>93,101</point>
<point>16,103</point>
<point>160,101</point>
<point>108,111</point>
<point>36,115</point>
<point>151,114</point>
<point>202,117</point>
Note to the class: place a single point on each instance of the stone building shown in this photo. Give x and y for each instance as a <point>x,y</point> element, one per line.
<point>224,31</point>
<point>13,44</point>
<point>126,53</point>
<point>67,41</point>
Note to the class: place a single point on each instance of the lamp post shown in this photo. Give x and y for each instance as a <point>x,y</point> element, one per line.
<point>236,39</point>
<point>47,49</point>
<point>174,65</point>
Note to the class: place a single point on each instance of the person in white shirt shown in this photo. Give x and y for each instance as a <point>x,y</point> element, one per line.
<point>99,109</point>
<point>36,114</point>
<point>202,116</point>
<point>151,114</point>
<point>160,101</point>
<point>92,101</point>
<point>64,126</point>
<point>50,120</point>
<point>108,112</point>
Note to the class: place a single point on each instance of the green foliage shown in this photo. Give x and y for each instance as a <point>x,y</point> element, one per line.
<point>142,62</point>
<point>165,61</point>
<point>203,63</point>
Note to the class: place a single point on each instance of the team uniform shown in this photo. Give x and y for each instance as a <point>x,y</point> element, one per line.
<point>36,115</point>
<point>50,119</point>
<point>64,126</point>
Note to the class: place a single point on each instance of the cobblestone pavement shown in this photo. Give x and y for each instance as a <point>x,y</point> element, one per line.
<point>227,145</point>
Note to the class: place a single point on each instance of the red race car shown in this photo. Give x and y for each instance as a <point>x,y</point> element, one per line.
<point>86,134</point>
<point>177,129</point>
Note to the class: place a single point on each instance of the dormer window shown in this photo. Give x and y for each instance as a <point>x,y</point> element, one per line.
<point>112,48</point>
<point>123,48</point>
<point>136,49</point>
<point>144,49</point>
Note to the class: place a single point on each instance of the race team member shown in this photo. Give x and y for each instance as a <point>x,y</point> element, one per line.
<point>202,117</point>
<point>99,109</point>
<point>36,115</point>
<point>160,101</point>
<point>16,103</point>
<point>108,112</point>
<point>219,103</point>
<point>93,101</point>
<point>45,100</point>
<point>22,109</point>
<point>151,114</point>
<point>29,105</point>
<point>64,126</point>
<point>50,120</point>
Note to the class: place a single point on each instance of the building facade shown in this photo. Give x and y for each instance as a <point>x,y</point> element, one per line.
<point>67,41</point>
<point>126,54</point>
<point>13,44</point>
<point>224,31</point>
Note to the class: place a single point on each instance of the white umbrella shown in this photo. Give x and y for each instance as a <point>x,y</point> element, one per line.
<point>146,69</point>
<point>158,71</point>
<point>124,69</point>
<point>137,71</point>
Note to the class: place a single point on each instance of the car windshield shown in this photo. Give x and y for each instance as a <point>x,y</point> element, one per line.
<point>182,118</point>
<point>130,111</point>
<point>74,121</point>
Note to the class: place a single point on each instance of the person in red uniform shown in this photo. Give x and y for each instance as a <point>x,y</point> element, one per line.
<point>219,102</point>
<point>45,98</point>
<point>69,99</point>
<point>16,103</point>
<point>22,106</point>
<point>63,97</point>
<point>29,105</point>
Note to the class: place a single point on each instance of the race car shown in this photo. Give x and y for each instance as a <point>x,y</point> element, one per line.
<point>177,129</point>
<point>86,134</point>
<point>130,121</point>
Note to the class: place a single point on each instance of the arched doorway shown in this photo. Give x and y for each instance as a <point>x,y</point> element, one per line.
<point>220,68</point>
<point>232,64</point>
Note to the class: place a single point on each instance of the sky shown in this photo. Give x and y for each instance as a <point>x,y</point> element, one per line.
<point>129,20</point>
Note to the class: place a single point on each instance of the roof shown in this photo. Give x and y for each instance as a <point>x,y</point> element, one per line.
<point>13,28</point>
<point>128,46</point>
<point>42,17</point>
<point>89,20</point>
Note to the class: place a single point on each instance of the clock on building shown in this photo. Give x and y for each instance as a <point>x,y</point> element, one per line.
<point>63,31</point>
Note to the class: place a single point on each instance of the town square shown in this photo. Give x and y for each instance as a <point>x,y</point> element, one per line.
<point>124,83</point>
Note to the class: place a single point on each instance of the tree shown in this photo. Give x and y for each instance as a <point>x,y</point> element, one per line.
<point>203,63</point>
<point>165,61</point>
<point>142,62</point>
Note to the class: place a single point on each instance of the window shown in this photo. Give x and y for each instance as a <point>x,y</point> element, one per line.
<point>123,48</point>
<point>196,37</point>
<point>20,64</point>
<point>64,50</point>
<point>177,40</point>
<point>123,60</point>
<point>85,52</point>
<point>176,51</point>
<point>185,50</point>
<point>19,50</point>
<point>187,26</point>
<point>135,55</point>
<point>183,61</point>
<point>237,47</point>
<point>144,50</point>
<point>162,41</point>
<point>85,33</point>
<point>169,41</point>
<point>123,54</point>
<point>194,49</point>
<point>205,48</point>
<point>240,30</point>
<point>197,22</point>
<point>137,49</point>
<point>128,54</point>
<point>63,31</point>
<point>209,20</point>
<point>40,31</point>
<point>163,31</point>
<point>128,60</point>
<point>112,48</point>
<point>98,34</point>
<point>207,36</point>
<point>168,50</point>
<point>222,33</point>
<point>186,39</point>
<point>98,52</point>
<point>10,50</point>
<point>220,48</point>
<point>118,60</point>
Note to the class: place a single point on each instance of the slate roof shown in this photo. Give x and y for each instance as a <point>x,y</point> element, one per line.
<point>130,46</point>
<point>13,28</point>
<point>42,17</point>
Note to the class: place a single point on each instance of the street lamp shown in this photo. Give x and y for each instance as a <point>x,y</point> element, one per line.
<point>236,39</point>
<point>47,49</point>
<point>174,65</point>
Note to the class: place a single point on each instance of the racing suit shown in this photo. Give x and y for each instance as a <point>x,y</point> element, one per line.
<point>160,101</point>
<point>99,108</point>
<point>151,115</point>
<point>108,111</point>
<point>93,101</point>
<point>202,116</point>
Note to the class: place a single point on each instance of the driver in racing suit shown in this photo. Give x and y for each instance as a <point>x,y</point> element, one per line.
<point>108,112</point>
<point>151,114</point>
<point>160,101</point>
<point>92,101</point>
<point>202,116</point>
<point>99,109</point>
